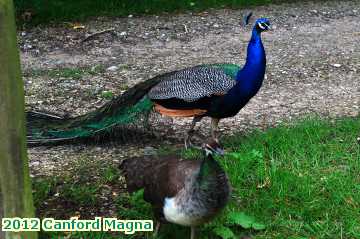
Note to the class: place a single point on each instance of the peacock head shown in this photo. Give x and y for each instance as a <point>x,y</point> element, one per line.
<point>262,25</point>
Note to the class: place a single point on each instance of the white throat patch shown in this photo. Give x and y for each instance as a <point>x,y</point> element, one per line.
<point>173,213</point>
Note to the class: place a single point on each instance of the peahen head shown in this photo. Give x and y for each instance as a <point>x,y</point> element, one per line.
<point>262,25</point>
<point>213,147</point>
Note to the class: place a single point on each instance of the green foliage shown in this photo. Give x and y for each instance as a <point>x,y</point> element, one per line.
<point>228,225</point>
<point>81,187</point>
<point>83,195</point>
<point>42,188</point>
<point>110,175</point>
<point>68,10</point>
<point>133,206</point>
<point>91,235</point>
<point>240,218</point>
<point>224,232</point>
<point>78,235</point>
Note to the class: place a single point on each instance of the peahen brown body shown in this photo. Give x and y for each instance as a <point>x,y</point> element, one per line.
<point>185,192</point>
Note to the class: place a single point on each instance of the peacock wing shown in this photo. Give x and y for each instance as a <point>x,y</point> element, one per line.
<point>193,83</point>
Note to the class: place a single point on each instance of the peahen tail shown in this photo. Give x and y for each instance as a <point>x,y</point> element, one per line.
<point>124,116</point>
<point>134,170</point>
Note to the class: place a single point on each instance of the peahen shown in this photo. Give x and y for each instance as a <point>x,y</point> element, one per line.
<point>184,192</point>
<point>214,90</point>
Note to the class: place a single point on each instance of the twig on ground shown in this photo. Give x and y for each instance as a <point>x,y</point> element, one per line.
<point>185,28</point>
<point>112,30</point>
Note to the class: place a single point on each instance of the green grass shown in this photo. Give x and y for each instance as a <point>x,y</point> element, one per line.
<point>299,180</point>
<point>44,11</point>
<point>73,73</point>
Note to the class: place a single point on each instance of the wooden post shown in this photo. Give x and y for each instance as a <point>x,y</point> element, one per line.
<point>15,182</point>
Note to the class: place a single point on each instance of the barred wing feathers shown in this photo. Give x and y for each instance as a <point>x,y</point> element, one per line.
<point>194,83</point>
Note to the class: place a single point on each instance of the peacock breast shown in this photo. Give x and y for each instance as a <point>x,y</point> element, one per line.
<point>227,106</point>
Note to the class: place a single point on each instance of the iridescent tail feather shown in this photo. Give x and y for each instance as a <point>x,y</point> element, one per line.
<point>123,117</point>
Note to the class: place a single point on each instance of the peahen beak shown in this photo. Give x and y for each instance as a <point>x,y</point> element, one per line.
<point>220,151</point>
<point>213,147</point>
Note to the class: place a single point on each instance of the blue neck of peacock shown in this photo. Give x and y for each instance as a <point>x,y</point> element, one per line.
<point>251,76</point>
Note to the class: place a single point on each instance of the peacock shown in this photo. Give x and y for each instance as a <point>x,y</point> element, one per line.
<point>217,91</point>
<point>184,192</point>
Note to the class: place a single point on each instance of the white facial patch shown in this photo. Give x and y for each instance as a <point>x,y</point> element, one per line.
<point>208,150</point>
<point>261,26</point>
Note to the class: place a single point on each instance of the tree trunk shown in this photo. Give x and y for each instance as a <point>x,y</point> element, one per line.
<point>14,171</point>
<point>2,234</point>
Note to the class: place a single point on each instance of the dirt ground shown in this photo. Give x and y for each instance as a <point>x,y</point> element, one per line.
<point>313,66</point>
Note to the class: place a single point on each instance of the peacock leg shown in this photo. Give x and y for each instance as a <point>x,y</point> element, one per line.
<point>191,131</point>
<point>193,231</point>
<point>147,125</point>
<point>214,128</point>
